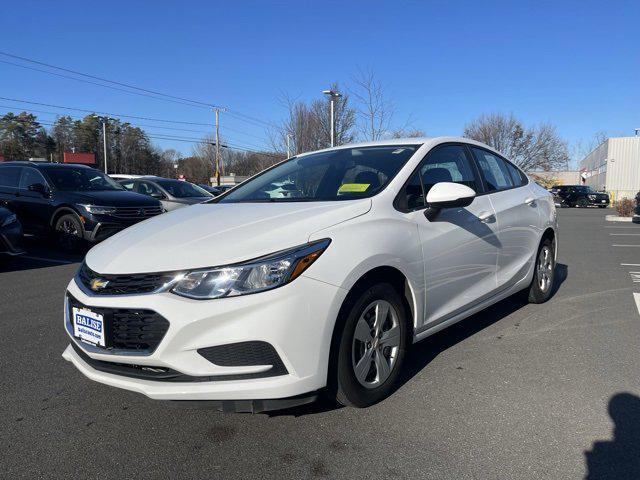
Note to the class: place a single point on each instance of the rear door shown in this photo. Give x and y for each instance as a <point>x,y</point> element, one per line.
<point>460,245</point>
<point>516,212</point>
<point>9,179</point>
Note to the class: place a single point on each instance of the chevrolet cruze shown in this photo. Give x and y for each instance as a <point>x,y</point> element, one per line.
<point>255,301</point>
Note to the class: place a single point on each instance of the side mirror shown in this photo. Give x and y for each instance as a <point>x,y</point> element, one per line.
<point>158,195</point>
<point>38,188</point>
<point>448,195</point>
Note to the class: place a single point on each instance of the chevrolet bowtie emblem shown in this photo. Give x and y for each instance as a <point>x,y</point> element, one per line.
<point>98,284</point>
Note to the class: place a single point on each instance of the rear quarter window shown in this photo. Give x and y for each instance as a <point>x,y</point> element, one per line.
<point>9,177</point>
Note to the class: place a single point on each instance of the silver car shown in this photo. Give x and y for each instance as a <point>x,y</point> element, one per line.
<point>172,193</point>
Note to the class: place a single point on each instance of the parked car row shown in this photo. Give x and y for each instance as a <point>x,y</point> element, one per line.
<point>77,203</point>
<point>578,196</point>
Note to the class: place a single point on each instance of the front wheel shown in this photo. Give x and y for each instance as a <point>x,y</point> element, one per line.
<point>602,206</point>
<point>371,349</point>
<point>70,232</point>
<point>583,203</point>
<point>544,274</point>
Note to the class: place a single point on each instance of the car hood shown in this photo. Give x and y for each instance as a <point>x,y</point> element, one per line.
<point>216,234</point>
<point>112,198</point>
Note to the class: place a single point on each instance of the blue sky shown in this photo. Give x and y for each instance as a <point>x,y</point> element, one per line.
<point>574,64</point>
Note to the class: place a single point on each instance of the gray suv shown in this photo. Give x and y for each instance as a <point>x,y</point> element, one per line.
<point>172,193</point>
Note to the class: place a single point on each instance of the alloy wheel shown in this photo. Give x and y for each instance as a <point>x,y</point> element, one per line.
<point>375,344</point>
<point>545,269</point>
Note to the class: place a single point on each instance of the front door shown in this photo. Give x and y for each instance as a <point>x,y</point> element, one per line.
<point>33,208</point>
<point>460,245</point>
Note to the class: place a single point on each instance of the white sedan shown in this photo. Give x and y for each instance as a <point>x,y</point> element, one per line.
<point>255,302</point>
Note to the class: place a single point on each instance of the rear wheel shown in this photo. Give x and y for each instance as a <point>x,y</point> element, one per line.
<point>371,347</point>
<point>544,274</point>
<point>602,206</point>
<point>69,232</point>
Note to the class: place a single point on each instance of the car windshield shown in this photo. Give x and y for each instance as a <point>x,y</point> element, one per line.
<point>182,189</point>
<point>71,179</point>
<point>343,174</point>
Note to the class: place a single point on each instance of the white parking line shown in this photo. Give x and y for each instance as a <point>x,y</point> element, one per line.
<point>614,245</point>
<point>630,264</point>
<point>637,298</point>
<point>50,260</point>
<point>624,226</point>
<point>624,234</point>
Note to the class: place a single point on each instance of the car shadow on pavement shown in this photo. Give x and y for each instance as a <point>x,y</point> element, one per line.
<point>422,353</point>
<point>618,458</point>
<point>40,253</point>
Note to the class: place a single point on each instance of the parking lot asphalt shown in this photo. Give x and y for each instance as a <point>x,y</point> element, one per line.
<point>517,391</point>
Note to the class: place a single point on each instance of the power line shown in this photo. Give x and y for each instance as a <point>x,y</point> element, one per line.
<point>104,113</point>
<point>75,72</point>
<point>101,85</point>
<point>148,93</point>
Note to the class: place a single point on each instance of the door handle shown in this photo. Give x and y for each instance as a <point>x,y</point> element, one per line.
<point>530,201</point>
<point>486,217</point>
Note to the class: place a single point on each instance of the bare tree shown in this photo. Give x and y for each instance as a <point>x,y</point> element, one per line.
<point>408,133</point>
<point>531,148</point>
<point>581,148</point>
<point>374,110</point>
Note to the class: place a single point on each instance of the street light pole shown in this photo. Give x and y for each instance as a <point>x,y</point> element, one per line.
<point>217,112</point>
<point>288,145</point>
<point>333,95</point>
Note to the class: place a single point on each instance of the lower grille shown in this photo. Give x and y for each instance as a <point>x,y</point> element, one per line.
<point>246,354</point>
<point>136,330</point>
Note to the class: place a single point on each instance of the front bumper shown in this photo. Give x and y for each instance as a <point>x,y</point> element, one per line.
<point>297,320</point>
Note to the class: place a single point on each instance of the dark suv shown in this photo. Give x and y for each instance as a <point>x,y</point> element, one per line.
<point>75,201</point>
<point>579,196</point>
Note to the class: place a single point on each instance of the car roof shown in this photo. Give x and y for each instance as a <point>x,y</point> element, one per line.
<point>24,163</point>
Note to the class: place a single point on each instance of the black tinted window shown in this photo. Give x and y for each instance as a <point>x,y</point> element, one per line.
<point>447,164</point>
<point>29,177</point>
<point>9,176</point>
<point>494,170</point>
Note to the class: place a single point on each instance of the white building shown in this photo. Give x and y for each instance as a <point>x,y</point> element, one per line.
<point>614,166</point>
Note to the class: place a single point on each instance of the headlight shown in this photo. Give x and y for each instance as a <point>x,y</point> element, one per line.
<point>254,276</point>
<point>97,210</point>
<point>9,220</point>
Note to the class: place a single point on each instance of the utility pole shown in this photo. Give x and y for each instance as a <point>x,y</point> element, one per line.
<point>217,112</point>
<point>333,95</point>
<point>104,142</point>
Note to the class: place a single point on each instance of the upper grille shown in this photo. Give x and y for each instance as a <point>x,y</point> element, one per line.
<point>126,284</point>
<point>137,212</point>
<point>128,328</point>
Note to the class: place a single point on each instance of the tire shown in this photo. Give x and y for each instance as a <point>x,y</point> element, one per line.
<point>582,203</point>
<point>360,339</point>
<point>543,280</point>
<point>69,232</point>
<point>602,206</point>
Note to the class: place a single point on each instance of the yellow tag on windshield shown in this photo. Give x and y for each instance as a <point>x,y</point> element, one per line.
<point>353,187</point>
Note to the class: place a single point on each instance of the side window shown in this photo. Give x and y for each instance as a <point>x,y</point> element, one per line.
<point>516,175</point>
<point>147,188</point>
<point>128,185</point>
<point>9,176</point>
<point>412,196</point>
<point>29,177</point>
<point>493,169</point>
<point>447,164</point>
